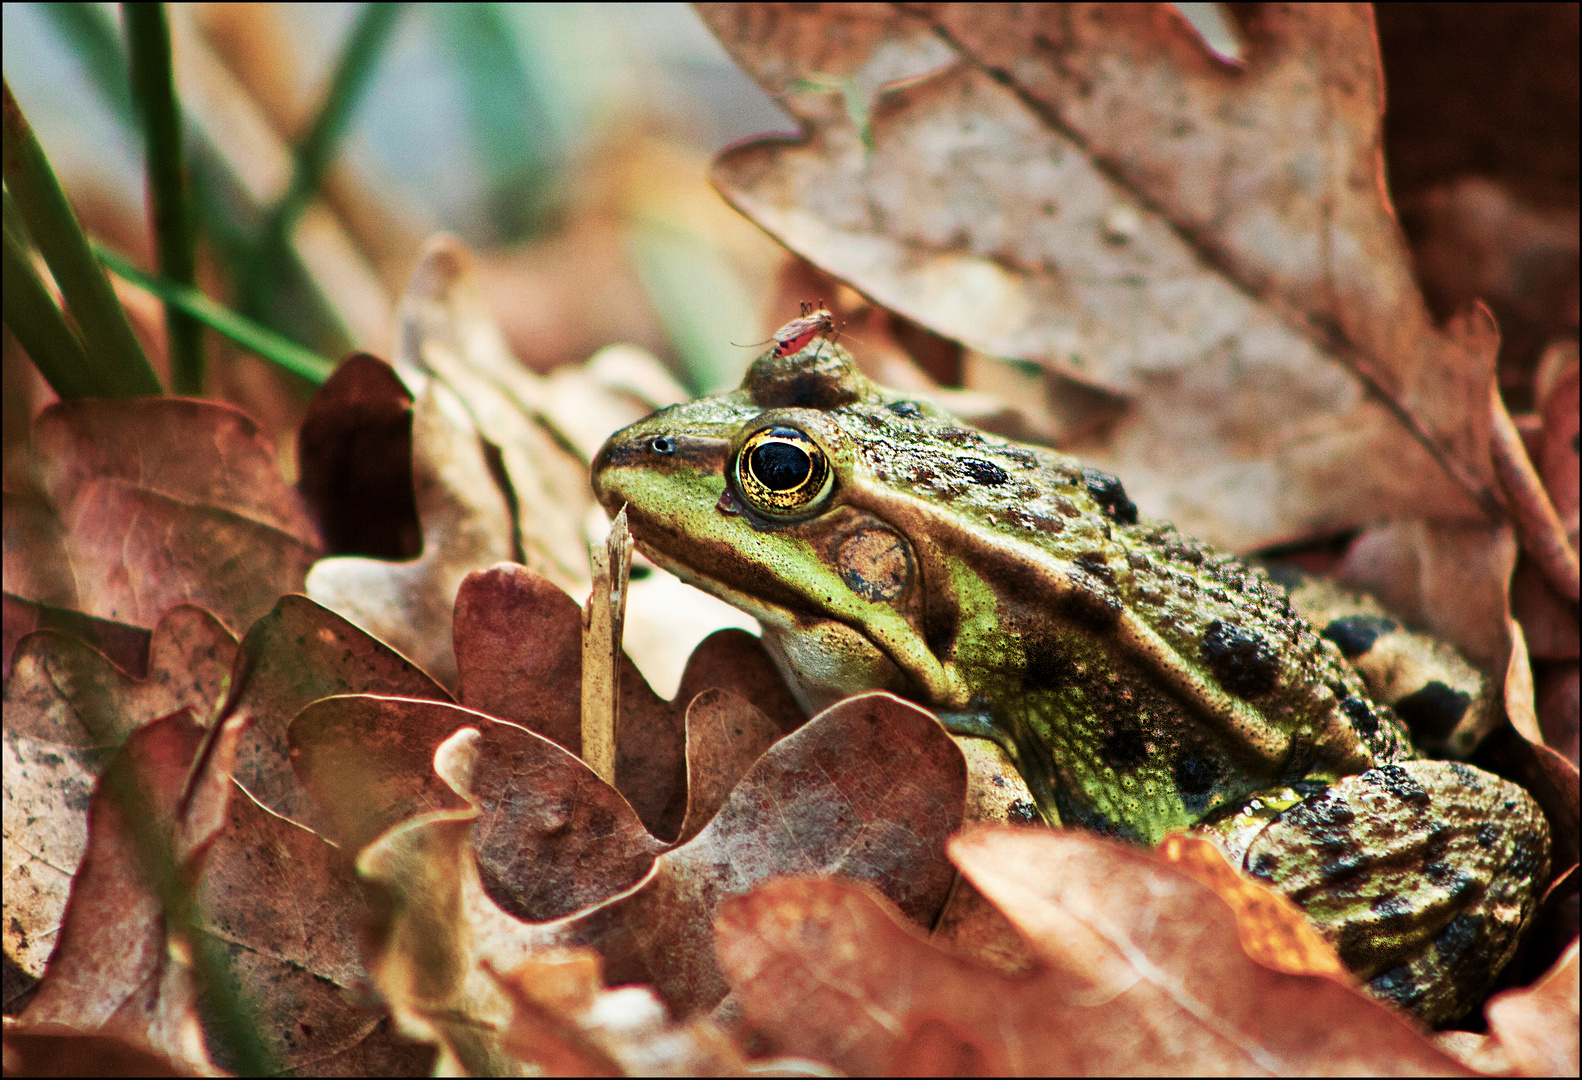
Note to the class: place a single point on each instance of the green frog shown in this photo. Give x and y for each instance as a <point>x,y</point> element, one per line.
<point>1140,681</point>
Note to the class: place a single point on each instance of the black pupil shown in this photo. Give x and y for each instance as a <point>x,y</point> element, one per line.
<point>780,466</point>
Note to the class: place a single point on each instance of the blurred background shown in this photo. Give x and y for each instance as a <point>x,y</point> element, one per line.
<point>568,144</point>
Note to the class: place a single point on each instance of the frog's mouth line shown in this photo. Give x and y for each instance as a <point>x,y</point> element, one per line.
<point>773,614</point>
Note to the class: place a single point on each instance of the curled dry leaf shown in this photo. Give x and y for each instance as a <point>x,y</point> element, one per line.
<point>164,501</point>
<point>447,334</point>
<point>549,837</point>
<point>516,645</point>
<point>466,523</point>
<point>293,656</point>
<point>1272,930</point>
<point>1140,970</point>
<point>868,790</point>
<point>67,708</point>
<point>111,972</point>
<point>283,907</point>
<point>126,645</point>
<point>354,449</point>
<point>1088,187</point>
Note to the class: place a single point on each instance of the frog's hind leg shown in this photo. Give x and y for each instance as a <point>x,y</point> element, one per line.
<point>1448,704</point>
<point>1422,874</point>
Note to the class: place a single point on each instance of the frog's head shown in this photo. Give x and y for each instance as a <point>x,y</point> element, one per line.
<point>756,496</point>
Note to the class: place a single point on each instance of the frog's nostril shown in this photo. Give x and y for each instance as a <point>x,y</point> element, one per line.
<point>662,444</point>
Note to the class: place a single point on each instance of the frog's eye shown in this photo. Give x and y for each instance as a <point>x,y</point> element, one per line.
<point>782,472</point>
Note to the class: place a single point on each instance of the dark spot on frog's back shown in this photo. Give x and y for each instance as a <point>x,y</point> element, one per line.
<point>1124,748</point>
<point>1108,492</point>
<point>1355,634</point>
<point>1434,711</point>
<point>1360,715</point>
<point>983,472</point>
<point>1400,783</point>
<point>1195,775</point>
<point>1240,659</point>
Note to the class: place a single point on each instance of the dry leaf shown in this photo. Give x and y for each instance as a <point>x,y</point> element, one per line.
<point>868,790</point>
<point>1532,1031</point>
<point>67,708</point>
<point>1537,1025</point>
<point>298,653</point>
<point>1140,972</point>
<point>550,837</point>
<point>517,640</point>
<point>162,501</point>
<point>466,523</point>
<point>126,646</point>
<point>354,450</point>
<point>111,972</point>
<point>56,1050</point>
<point>447,333</point>
<point>1088,187</point>
<point>283,908</point>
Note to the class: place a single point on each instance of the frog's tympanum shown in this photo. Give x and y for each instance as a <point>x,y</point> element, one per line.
<point>1141,681</point>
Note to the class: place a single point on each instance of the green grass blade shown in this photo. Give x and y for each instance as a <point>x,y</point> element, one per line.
<point>175,238</point>
<point>313,154</point>
<point>41,327</point>
<point>260,340</point>
<point>116,364</point>
<point>229,217</point>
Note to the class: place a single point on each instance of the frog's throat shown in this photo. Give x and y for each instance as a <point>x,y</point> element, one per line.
<point>1240,723</point>
<point>940,685</point>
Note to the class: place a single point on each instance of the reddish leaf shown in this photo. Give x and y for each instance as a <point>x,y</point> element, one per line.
<point>355,449</point>
<point>517,638</point>
<point>126,646</point>
<point>296,654</point>
<point>203,453</point>
<point>867,790</point>
<point>37,567</point>
<point>67,707</point>
<point>1141,972</point>
<point>110,972</point>
<point>164,501</point>
<point>550,836</point>
<point>726,735</point>
<point>283,907</point>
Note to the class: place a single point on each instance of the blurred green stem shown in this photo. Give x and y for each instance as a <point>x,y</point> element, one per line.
<point>154,89</point>
<point>116,365</point>
<point>40,326</point>
<point>230,218</point>
<point>278,350</point>
<point>317,149</point>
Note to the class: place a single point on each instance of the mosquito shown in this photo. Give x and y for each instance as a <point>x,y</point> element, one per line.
<point>815,321</point>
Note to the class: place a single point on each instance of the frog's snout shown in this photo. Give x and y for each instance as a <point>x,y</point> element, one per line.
<point>636,464</point>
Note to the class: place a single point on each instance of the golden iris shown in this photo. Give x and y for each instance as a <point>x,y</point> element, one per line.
<point>780,471</point>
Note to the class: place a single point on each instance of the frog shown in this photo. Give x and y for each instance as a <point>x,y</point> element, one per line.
<point>1142,683</point>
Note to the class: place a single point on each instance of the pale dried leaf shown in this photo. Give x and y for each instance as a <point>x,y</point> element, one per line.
<point>1086,186</point>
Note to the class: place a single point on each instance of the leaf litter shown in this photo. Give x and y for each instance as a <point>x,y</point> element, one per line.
<point>399,762</point>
